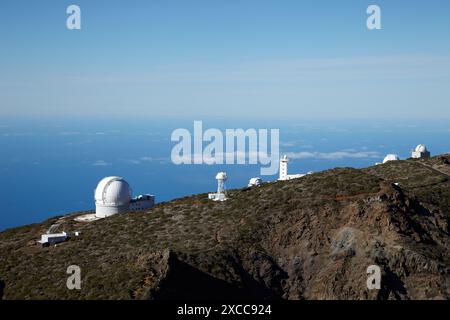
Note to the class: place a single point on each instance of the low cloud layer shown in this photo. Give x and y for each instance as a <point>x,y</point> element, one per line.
<point>337,155</point>
<point>101,163</point>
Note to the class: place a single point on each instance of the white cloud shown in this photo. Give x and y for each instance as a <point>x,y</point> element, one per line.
<point>337,155</point>
<point>150,159</point>
<point>101,163</point>
<point>76,143</point>
<point>69,133</point>
<point>222,156</point>
<point>131,161</point>
<point>18,134</point>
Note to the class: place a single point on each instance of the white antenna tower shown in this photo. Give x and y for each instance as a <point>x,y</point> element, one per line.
<point>221,177</point>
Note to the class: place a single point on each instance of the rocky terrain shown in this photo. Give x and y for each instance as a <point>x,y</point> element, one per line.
<point>310,238</point>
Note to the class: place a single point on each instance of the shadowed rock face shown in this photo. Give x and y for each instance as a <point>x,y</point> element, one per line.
<point>2,287</point>
<point>177,279</point>
<point>311,238</point>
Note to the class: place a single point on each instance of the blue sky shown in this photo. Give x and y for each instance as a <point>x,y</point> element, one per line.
<point>242,59</point>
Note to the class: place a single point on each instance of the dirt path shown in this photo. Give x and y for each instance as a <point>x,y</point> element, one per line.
<point>431,168</point>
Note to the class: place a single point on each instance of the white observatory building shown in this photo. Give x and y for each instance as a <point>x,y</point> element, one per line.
<point>142,202</point>
<point>113,196</point>
<point>221,177</point>
<point>391,157</point>
<point>254,182</point>
<point>284,170</point>
<point>53,238</point>
<point>421,152</point>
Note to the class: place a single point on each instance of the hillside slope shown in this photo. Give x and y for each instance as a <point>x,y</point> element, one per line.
<point>310,238</point>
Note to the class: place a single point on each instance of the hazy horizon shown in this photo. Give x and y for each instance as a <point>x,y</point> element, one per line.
<point>55,165</point>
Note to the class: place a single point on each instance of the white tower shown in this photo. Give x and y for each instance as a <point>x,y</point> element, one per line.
<point>221,177</point>
<point>284,171</point>
<point>284,168</point>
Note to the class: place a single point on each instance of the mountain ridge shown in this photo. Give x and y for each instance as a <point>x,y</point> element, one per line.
<point>308,238</point>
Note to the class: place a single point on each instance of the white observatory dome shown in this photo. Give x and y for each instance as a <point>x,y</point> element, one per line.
<point>421,148</point>
<point>112,196</point>
<point>113,190</point>
<point>391,157</point>
<point>255,182</point>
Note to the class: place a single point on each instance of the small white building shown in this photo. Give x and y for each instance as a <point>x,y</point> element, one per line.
<point>142,202</point>
<point>53,238</point>
<point>284,170</point>
<point>255,182</point>
<point>391,157</point>
<point>221,195</point>
<point>421,152</point>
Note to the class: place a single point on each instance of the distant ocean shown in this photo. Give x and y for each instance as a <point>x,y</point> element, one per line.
<point>51,167</point>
